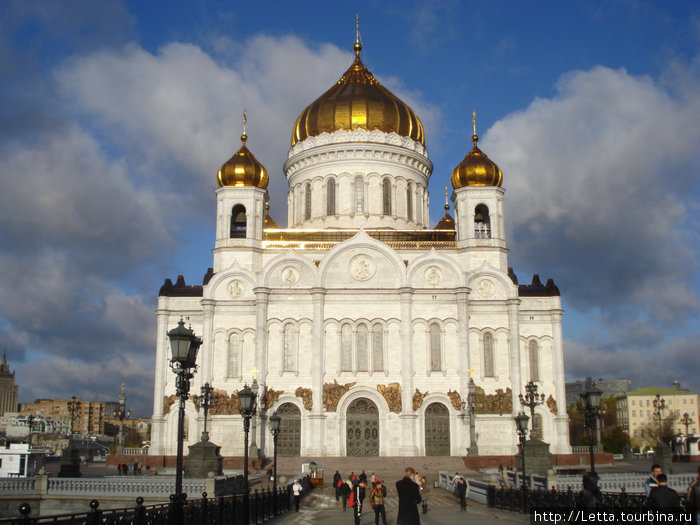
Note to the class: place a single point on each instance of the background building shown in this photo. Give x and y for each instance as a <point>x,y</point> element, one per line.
<point>89,418</point>
<point>635,411</point>
<point>9,393</point>
<point>609,387</point>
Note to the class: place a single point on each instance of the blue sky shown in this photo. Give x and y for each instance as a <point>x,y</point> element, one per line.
<point>117,115</point>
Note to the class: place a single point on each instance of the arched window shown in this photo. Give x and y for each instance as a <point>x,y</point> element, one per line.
<point>361,348</point>
<point>330,197</point>
<point>307,201</point>
<point>359,195</point>
<point>289,349</point>
<point>534,359</point>
<point>482,222</point>
<point>238,222</point>
<point>488,355</point>
<point>537,427</point>
<point>435,353</point>
<point>377,349</point>
<point>233,356</point>
<point>409,202</point>
<point>386,196</point>
<point>346,348</point>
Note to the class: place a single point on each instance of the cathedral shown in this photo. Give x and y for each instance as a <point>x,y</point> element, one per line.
<point>360,325</point>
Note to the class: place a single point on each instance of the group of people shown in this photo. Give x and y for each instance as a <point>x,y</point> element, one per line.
<point>659,494</point>
<point>134,468</point>
<point>412,490</point>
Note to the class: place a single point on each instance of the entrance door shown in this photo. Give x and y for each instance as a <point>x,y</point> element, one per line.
<point>437,430</point>
<point>289,438</point>
<point>362,428</point>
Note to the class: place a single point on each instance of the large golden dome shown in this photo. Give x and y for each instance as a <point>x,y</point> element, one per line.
<point>358,101</point>
<point>476,169</point>
<point>243,169</point>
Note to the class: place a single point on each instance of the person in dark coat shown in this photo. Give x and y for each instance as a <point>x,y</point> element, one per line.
<point>337,481</point>
<point>663,496</point>
<point>357,500</point>
<point>409,498</point>
<point>345,491</point>
<point>590,495</point>
<point>462,493</point>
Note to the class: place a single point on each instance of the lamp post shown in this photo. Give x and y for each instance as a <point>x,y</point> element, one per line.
<point>207,390</point>
<point>685,420</point>
<point>247,400</point>
<point>275,421</point>
<point>122,412</point>
<point>253,452</point>
<point>531,399</point>
<point>30,423</point>
<point>521,425</point>
<point>591,403</point>
<point>468,410</point>
<point>73,408</point>
<point>659,407</point>
<point>184,346</point>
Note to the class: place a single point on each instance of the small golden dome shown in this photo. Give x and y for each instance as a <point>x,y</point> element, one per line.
<point>358,101</point>
<point>476,169</point>
<point>269,223</point>
<point>447,222</point>
<point>243,169</point>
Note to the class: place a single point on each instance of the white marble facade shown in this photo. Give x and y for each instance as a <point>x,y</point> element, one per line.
<point>364,312</point>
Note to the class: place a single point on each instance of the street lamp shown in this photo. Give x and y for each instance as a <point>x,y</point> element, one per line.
<point>73,408</point>
<point>685,420</point>
<point>253,446</point>
<point>122,413</point>
<point>207,390</point>
<point>659,407</point>
<point>591,403</point>
<point>469,410</point>
<point>531,400</point>
<point>247,400</point>
<point>275,421</point>
<point>521,425</point>
<point>184,346</point>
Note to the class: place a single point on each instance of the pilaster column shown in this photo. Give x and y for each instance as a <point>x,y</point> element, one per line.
<point>561,445</point>
<point>317,416</point>
<point>514,351</point>
<point>462,294</point>
<point>407,442</point>
<point>262,297</point>
<point>161,360</point>
<point>207,350</point>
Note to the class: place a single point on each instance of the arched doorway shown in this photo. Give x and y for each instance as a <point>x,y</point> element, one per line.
<point>289,439</point>
<point>437,430</point>
<point>362,428</point>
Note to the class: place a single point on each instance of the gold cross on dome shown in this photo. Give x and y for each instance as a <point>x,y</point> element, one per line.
<point>255,372</point>
<point>471,372</point>
<point>474,121</point>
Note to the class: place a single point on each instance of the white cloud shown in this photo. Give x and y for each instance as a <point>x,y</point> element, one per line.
<point>599,179</point>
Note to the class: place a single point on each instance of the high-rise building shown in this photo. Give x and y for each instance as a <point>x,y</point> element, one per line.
<point>9,393</point>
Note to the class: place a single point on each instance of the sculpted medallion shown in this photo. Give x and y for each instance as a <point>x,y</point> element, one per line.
<point>290,276</point>
<point>552,404</point>
<point>235,288</point>
<point>433,275</point>
<point>362,267</point>
<point>485,288</point>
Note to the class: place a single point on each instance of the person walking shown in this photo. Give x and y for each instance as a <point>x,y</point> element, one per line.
<point>345,491</point>
<point>376,499</point>
<point>662,496</point>
<point>356,500</point>
<point>296,491</point>
<point>590,495</point>
<point>337,482</point>
<point>462,493</point>
<point>409,498</point>
<point>652,480</point>
<point>424,494</point>
<point>694,498</point>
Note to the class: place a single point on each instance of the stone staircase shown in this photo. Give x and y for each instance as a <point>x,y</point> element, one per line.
<point>388,469</point>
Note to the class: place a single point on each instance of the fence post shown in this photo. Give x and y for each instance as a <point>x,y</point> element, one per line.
<point>220,510</point>
<point>139,512</point>
<point>491,495</point>
<point>94,516</point>
<point>24,511</point>
<point>204,509</point>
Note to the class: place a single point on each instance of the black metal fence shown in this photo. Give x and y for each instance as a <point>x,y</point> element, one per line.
<point>518,501</point>
<point>256,506</point>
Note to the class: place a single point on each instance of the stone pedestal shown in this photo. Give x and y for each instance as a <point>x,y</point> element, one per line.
<point>70,461</point>
<point>663,455</point>
<point>204,457</point>
<point>538,458</point>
